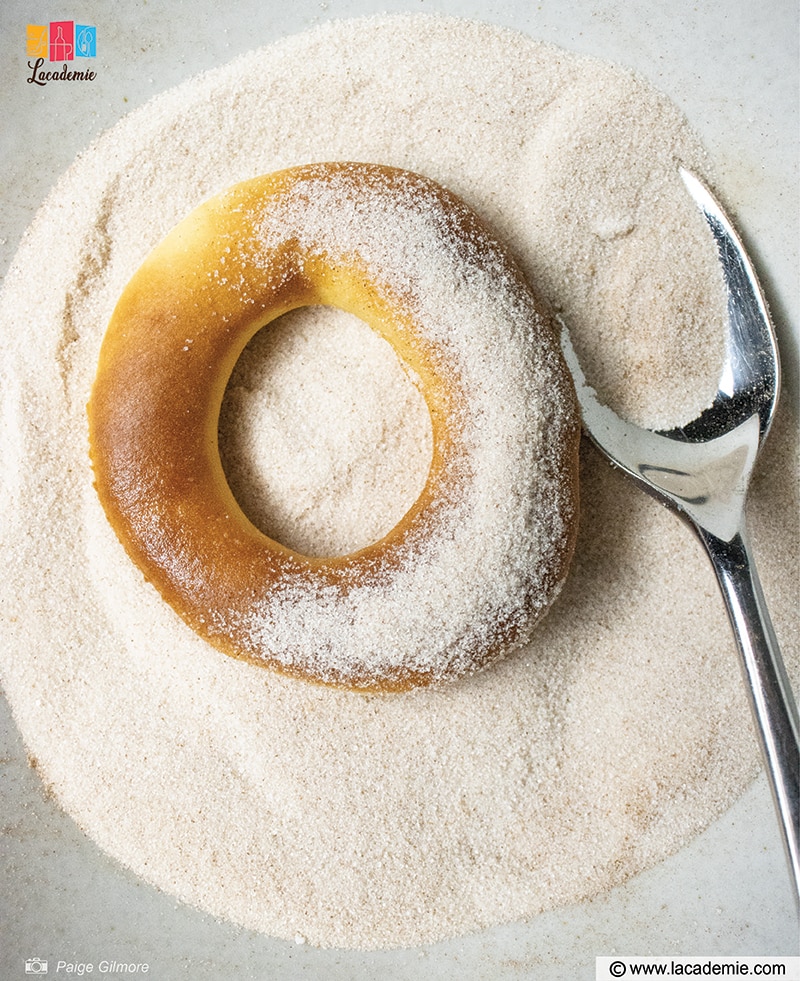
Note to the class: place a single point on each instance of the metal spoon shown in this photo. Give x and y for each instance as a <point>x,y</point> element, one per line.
<point>702,472</point>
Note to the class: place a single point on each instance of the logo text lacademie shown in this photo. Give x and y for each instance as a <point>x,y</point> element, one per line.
<point>60,41</point>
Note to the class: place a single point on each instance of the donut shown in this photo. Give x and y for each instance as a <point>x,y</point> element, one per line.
<point>481,555</point>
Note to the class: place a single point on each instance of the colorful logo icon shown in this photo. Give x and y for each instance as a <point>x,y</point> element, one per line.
<point>61,40</point>
<point>85,41</point>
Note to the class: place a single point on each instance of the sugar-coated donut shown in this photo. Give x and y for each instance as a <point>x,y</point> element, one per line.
<point>485,549</point>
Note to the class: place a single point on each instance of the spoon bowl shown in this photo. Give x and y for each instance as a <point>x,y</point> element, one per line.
<point>702,471</point>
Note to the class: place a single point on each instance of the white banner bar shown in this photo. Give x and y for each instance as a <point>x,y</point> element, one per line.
<point>613,968</point>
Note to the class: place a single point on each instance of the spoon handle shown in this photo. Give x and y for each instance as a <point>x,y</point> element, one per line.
<point>768,688</point>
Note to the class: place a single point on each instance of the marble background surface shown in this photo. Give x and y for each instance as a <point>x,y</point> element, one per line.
<point>733,68</point>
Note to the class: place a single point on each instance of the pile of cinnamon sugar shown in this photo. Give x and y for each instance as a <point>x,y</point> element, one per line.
<point>354,821</point>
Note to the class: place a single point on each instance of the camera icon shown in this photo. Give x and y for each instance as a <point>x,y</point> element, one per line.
<point>35,965</point>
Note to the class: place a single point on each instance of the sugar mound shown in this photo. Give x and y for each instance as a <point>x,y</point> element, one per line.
<point>353,821</point>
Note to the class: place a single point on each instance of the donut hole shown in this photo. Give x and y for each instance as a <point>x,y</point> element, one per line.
<point>324,435</point>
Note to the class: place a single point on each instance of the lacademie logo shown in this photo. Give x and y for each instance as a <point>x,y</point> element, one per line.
<point>60,41</point>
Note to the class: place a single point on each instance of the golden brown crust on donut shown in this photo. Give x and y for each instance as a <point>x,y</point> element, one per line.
<point>170,348</point>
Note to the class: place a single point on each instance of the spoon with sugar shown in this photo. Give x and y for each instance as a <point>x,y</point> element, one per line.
<point>702,471</point>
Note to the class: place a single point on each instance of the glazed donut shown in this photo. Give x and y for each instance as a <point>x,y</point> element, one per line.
<point>482,553</point>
